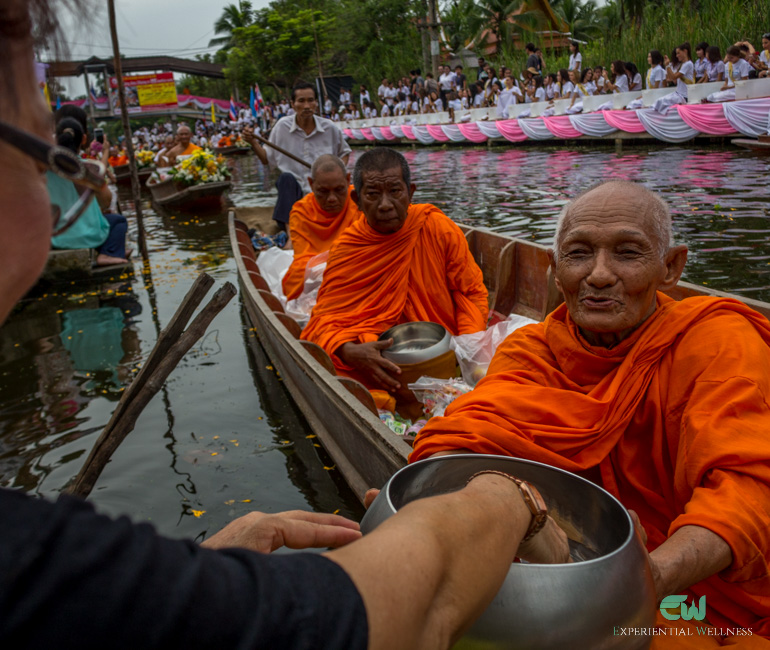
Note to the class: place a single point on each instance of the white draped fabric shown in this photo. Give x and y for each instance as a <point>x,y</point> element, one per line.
<point>422,135</point>
<point>669,127</point>
<point>396,130</point>
<point>535,129</point>
<point>452,131</point>
<point>591,124</point>
<point>750,117</point>
<point>357,135</point>
<point>377,133</point>
<point>489,129</point>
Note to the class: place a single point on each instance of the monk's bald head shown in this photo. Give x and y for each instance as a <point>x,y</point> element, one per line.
<point>380,159</point>
<point>327,163</point>
<point>628,201</point>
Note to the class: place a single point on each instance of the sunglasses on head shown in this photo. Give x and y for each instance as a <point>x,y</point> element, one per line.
<point>64,163</point>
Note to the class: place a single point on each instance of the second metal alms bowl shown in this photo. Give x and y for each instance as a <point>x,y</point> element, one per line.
<point>415,342</point>
<point>558,606</point>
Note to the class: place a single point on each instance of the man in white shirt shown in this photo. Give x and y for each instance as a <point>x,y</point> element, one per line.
<point>306,136</point>
<point>446,82</point>
<point>344,96</point>
<point>382,90</point>
<point>390,95</point>
<point>328,107</point>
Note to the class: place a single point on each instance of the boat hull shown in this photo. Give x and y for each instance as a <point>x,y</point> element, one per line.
<point>123,175</point>
<point>232,151</point>
<point>208,197</point>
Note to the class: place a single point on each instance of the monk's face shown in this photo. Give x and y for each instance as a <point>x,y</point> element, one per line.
<point>385,199</point>
<point>183,135</point>
<point>609,263</point>
<point>330,189</point>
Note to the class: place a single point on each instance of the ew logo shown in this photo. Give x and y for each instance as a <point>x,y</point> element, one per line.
<point>687,613</point>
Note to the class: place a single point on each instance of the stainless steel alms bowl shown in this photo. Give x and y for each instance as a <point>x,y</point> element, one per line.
<point>415,342</point>
<point>557,606</point>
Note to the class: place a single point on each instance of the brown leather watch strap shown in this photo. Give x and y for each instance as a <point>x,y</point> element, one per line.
<point>532,498</point>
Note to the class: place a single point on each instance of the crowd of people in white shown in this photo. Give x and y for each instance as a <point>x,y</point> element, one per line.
<point>453,91</point>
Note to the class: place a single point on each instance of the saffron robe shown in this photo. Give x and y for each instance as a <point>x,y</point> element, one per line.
<point>224,141</point>
<point>422,272</point>
<point>313,231</point>
<point>191,148</point>
<point>118,161</point>
<point>674,422</point>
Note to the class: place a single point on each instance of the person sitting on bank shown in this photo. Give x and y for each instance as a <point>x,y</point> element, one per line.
<point>715,67</point>
<point>681,72</point>
<point>104,232</point>
<point>318,218</point>
<point>661,402</point>
<point>736,68</point>
<point>183,147</point>
<point>656,77</point>
<point>403,262</point>
<point>305,135</point>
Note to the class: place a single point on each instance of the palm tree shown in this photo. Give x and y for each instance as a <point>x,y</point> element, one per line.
<point>506,17</point>
<point>461,23</point>
<point>582,18</point>
<point>233,17</point>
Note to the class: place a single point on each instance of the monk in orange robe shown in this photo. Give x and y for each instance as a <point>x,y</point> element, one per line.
<point>117,158</point>
<point>662,403</point>
<point>318,218</point>
<point>183,147</point>
<point>225,141</point>
<point>400,263</point>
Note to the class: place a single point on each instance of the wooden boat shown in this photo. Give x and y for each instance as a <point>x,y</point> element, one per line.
<point>232,151</point>
<point>123,174</point>
<point>78,265</point>
<point>340,410</point>
<point>171,195</point>
<point>761,145</point>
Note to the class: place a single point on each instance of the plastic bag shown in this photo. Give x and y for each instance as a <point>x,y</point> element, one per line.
<point>436,394</point>
<point>273,264</point>
<point>475,351</point>
<point>299,309</point>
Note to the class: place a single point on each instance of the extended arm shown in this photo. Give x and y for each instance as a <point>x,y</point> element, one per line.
<point>248,136</point>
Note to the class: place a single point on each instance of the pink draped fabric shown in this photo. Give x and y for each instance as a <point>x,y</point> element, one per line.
<point>385,130</point>
<point>348,132</point>
<point>561,127</point>
<point>367,133</point>
<point>706,118</point>
<point>437,133</point>
<point>510,130</point>
<point>407,129</point>
<point>624,120</point>
<point>471,132</point>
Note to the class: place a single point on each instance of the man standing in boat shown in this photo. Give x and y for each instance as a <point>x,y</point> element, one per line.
<point>305,135</point>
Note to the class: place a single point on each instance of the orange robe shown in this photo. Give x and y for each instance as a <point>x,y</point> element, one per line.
<point>422,272</point>
<point>191,148</point>
<point>674,422</point>
<point>118,161</point>
<point>313,231</point>
<point>224,141</point>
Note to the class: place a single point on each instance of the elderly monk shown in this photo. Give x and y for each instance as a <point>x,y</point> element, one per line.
<point>663,403</point>
<point>183,146</point>
<point>400,263</point>
<point>318,218</point>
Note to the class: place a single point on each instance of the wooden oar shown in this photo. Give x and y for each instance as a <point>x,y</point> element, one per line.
<point>280,150</point>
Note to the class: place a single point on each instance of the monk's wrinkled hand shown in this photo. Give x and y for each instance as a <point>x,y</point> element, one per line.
<point>368,357</point>
<point>549,546</point>
<point>295,529</point>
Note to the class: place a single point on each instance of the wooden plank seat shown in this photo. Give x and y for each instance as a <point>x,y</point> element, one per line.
<point>319,354</point>
<point>259,282</point>
<point>272,302</point>
<point>289,323</point>
<point>360,392</point>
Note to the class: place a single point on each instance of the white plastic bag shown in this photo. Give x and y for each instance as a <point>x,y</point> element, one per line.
<point>301,307</point>
<point>273,264</point>
<point>436,394</point>
<point>475,351</point>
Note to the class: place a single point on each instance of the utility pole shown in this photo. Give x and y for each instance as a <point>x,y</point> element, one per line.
<point>434,44</point>
<point>422,25</point>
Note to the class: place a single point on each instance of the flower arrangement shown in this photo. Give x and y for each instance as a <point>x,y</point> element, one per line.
<point>145,158</point>
<point>241,143</point>
<point>200,167</point>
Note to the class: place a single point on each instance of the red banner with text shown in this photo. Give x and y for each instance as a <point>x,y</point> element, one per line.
<point>147,92</point>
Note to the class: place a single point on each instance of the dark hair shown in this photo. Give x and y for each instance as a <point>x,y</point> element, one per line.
<point>620,69</point>
<point>713,54</point>
<point>702,46</point>
<point>378,159</point>
<point>744,48</point>
<point>585,72</point>
<point>458,66</point>
<point>538,81</point>
<point>302,85</point>
<point>631,70</point>
<point>733,50</point>
<point>576,45</point>
<point>73,112</point>
<point>686,47</point>
<point>530,47</point>
<point>499,84</point>
<point>551,76</point>
<point>564,73</point>
<point>69,134</point>
<point>656,57</point>
<point>429,75</point>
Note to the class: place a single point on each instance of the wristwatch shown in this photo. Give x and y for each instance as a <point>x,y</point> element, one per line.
<point>532,498</point>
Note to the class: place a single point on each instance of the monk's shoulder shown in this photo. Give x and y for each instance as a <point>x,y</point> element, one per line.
<point>525,348</point>
<point>441,225</point>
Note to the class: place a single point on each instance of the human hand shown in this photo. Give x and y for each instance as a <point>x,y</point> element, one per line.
<point>368,357</point>
<point>295,529</point>
<point>370,496</point>
<point>248,134</point>
<point>548,546</point>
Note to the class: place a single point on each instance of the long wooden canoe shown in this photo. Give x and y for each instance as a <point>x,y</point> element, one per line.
<point>123,174</point>
<point>232,151</point>
<point>341,411</point>
<point>760,145</point>
<point>207,197</point>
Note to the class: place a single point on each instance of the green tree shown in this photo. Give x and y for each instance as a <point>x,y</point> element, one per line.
<point>233,17</point>
<point>462,22</point>
<point>581,18</point>
<point>504,18</point>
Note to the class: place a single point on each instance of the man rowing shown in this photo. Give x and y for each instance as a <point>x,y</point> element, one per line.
<point>305,135</point>
<point>663,403</point>
<point>401,263</point>
<point>183,147</point>
<point>318,218</point>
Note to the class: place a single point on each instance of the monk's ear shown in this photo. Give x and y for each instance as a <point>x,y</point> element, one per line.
<point>412,188</point>
<point>354,196</point>
<point>552,269</point>
<point>347,177</point>
<point>310,182</point>
<point>675,260</point>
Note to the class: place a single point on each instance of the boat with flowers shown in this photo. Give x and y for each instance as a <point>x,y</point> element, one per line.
<point>198,183</point>
<point>239,148</point>
<point>145,161</point>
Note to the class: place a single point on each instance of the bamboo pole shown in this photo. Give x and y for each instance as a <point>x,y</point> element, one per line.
<point>135,187</point>
<point>281,150</point>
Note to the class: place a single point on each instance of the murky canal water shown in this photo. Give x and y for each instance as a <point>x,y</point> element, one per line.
<point>222,437</point>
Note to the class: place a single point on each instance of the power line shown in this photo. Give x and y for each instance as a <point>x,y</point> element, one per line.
<point>146,49</point>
